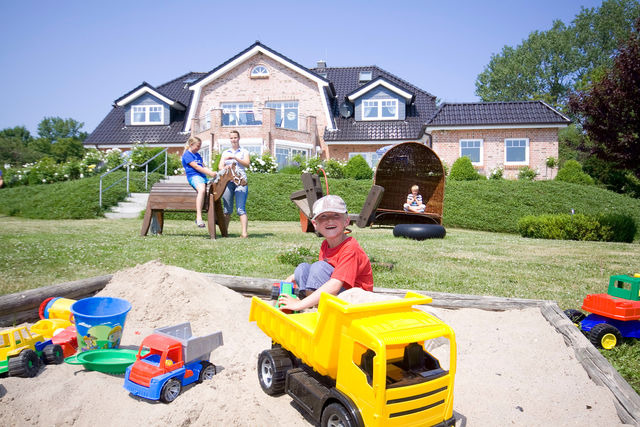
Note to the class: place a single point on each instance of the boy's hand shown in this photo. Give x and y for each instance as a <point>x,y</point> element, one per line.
<point>288,302</point>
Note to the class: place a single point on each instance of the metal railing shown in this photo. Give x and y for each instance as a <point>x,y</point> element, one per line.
<point>128,166</point>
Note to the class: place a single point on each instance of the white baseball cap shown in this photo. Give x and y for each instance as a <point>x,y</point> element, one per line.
<point>330,203</point>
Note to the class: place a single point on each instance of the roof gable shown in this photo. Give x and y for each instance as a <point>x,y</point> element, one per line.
<point>243,56</point>
<point>145,88</point>
<point>380,81</point>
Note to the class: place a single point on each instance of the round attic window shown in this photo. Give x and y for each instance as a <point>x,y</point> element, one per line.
<point>259,71</point>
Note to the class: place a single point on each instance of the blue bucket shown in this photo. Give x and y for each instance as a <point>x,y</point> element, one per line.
<point>99,321</point>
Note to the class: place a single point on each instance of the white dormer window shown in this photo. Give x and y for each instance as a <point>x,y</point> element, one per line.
<point>380,109</point>
<point>147,115</point>
<point>259,72</point>
<point>365,76</point>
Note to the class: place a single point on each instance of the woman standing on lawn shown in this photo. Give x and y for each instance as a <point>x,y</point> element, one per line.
<point>196,173</point>
<point>236,189</point>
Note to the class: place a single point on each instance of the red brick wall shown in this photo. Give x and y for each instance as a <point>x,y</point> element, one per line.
<point>543,143</point>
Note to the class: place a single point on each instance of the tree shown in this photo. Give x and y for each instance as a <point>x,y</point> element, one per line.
<point>549,64</point>
<point>19,132</point>
<point>609,109</point>
<point>55,128</point>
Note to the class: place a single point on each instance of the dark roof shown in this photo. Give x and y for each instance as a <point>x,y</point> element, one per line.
<point>346,80</point>
<point>497,113</point>
<point>112,129</point>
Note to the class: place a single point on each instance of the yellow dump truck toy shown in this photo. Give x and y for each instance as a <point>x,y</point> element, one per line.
<point>360,364</point>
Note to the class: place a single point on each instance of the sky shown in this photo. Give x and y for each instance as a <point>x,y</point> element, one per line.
<point>72,59</point>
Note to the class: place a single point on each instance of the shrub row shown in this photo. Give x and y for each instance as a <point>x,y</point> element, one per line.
<point>605,227</point>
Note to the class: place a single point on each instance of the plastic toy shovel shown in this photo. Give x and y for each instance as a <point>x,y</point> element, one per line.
<point>109,361</point>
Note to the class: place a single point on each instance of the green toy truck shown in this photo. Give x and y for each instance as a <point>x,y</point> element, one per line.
<point>21,352</point>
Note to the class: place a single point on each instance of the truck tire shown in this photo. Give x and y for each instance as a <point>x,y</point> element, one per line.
<point>207,372</point>
<point>26,364</point>
<point>272,370</point>
<point>170,390</point>
<point>53,354</point>
<point>275,292</point>
<point>335,415</point>
<point>576,316</point>
<point>420,231</point>
<point>605,336</point>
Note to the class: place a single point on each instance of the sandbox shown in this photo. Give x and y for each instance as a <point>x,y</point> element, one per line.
<point>513,367</point>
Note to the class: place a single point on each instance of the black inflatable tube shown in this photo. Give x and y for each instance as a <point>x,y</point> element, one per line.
<point>419,231</point>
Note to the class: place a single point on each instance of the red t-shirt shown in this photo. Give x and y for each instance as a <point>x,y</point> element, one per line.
<point>351,265</point>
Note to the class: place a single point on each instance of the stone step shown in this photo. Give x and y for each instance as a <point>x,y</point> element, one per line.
<point>137,202</point>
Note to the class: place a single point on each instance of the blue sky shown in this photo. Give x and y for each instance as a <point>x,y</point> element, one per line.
<point>72,59</point>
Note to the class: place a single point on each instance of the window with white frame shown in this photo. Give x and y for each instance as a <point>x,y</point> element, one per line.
<point>516,151</point>
<point>239,114</point>
<point>379,109</point>
<point>259,72</point>
<point>205,153</point>
<point>147,114</point>
<point>372,158</point>
<point>472,148</point>
<point>285,155</point>
<point>286,113</point>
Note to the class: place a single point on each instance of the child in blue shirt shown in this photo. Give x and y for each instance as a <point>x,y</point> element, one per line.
<point>196,173</point>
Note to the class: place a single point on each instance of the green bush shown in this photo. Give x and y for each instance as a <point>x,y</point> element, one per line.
<point>623,227</point>
<point>358,168</point>
<point>290,170</point>
<point>572,172</point>
<point>462,170</point>
<point>525,173</point>
<point>606,227</point>
<point>334,169</point>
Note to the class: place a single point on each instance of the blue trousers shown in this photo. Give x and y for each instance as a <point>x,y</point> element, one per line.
<point>312,276</point>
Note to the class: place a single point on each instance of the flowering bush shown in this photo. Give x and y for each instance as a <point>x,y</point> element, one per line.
<point>496,173</point>
<point>264,164</point>
<point>525,173</point>
<point>334,168</point>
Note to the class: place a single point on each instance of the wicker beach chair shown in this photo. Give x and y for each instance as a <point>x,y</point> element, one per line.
<point>401,167</point>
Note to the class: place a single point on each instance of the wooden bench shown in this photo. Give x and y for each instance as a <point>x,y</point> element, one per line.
<point>304,200</point>
<point>182,197</point>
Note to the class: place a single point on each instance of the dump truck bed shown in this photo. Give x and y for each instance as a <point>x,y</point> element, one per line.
<point>314,337</point>
<point>193,348</point>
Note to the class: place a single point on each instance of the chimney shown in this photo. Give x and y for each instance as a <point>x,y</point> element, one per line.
<point>322,64</point>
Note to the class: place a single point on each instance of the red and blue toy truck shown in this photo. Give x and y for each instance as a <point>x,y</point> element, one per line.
<point>614,315</point>
<point>175,359</point>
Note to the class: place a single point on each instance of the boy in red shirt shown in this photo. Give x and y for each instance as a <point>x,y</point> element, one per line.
<point>342,263</point>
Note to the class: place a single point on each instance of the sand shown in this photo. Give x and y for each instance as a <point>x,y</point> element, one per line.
<point>513,368</point>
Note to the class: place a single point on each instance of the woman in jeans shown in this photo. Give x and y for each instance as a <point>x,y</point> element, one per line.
<point>234,189</point>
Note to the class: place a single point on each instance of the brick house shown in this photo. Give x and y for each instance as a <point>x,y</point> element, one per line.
<point>284,108</point>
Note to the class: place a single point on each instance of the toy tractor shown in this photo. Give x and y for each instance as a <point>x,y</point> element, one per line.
<point>21,352</point>
<point>614,315</point>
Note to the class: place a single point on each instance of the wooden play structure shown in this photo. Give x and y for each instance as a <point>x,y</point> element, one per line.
<point>404,165</point>
<point>304,200</point>
<point>182,197</point>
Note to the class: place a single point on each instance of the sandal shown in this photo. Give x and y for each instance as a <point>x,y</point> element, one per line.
<point>200,224</point>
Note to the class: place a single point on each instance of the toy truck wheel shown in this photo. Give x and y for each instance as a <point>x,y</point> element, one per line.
<point>26,364</point>
<point>272,370</point>
<point>336,415</point>
<point>207,372</point>
<point>53,354</point>
<point>576,316</point>
<point>605,336</point>
<point>170,390</point>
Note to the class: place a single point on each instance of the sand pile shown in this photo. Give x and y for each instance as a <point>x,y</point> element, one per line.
<point>513,368</point>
